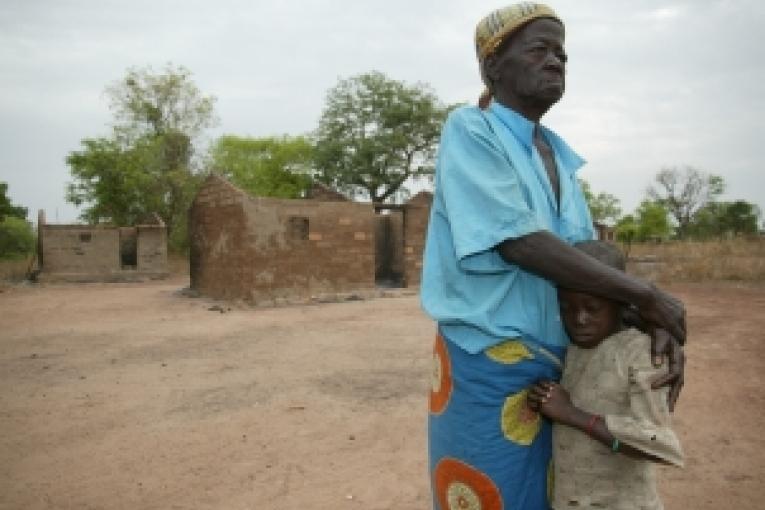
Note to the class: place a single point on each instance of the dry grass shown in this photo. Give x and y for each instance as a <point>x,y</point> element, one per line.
<point>14,271</point>
<point>691,261</point>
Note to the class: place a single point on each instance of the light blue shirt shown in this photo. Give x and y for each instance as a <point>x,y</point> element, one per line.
<point>491,185</point>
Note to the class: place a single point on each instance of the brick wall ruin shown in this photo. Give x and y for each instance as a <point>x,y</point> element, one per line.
<point>416,216</point>
<point>101,253</point>
<point>269,250</point>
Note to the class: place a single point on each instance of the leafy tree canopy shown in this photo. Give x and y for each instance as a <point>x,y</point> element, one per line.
<point>652,220</point>
<point>740,217</point>
<point>155,103</point>
<point>604,207</point>
<point>684,191</point>
<point>124,185</point>
<point>7,208</point>
<point>16,238</point>
<point>146,165</point>
<point>375,133</point>
<point>718,219</point>
<point>271,167</point>
<point>627,229</point>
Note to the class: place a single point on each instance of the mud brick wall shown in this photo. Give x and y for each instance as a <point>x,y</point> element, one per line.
<point>152,249</point>
<point>74,249</point>
<point>416,218</point>
<point>268,251</point>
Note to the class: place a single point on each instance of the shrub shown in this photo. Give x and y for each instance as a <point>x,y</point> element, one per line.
<point>17,240</point>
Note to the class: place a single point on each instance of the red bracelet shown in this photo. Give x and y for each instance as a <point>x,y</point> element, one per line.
<point>591,424</point>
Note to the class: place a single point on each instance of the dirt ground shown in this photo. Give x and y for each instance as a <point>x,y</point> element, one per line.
<point>134,396</point>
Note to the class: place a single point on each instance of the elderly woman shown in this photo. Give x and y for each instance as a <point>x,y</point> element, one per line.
<point>506,211</point>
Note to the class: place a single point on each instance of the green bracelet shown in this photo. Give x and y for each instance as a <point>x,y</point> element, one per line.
<point>615,445</point>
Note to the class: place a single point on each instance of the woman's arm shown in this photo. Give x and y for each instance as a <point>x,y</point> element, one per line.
<point>544,254</point>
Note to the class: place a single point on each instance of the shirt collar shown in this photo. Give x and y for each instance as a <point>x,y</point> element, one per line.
<point>523,129</point>
<point>520,126</point>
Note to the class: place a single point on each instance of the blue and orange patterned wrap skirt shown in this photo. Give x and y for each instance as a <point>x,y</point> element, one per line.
<point>487,449</point>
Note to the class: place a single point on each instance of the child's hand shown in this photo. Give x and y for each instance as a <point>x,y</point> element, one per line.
<point>551,400</point>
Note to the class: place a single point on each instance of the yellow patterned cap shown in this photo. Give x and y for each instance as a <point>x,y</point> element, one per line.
<point>494,28</point>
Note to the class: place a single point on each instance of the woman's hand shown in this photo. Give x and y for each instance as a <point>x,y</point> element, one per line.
<point>551,400</point>
<point>663,346</point>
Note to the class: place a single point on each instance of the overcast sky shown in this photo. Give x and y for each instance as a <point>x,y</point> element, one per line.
<point>650,83</point>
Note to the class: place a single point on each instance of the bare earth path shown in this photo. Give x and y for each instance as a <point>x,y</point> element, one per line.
<point>131,396</point>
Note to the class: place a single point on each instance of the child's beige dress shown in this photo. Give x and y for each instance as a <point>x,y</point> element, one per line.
<point>613,380</point>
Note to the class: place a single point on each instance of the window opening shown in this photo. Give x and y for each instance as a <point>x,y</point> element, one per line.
<point>297,228</point>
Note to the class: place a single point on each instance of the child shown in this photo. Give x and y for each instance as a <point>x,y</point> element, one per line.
<point>605,393</point>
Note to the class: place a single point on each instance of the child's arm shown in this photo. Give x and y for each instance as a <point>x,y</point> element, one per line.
<point>553,401</point>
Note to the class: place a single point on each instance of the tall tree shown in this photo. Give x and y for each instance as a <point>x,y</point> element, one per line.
<point>684,191</point>
<point>604,207</point>
<point>375,133</point>
<point>146,165</point>
<point>155,103</point>
<point>271,167</point>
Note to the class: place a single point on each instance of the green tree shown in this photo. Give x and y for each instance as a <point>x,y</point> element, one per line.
<point>718,219</point>
<point>707,222</point>
<point>627,230</point>
<point>653,221</point>
<point>7,208</point>
<point>16,236</point>
<point>684,191</point>
<point>604,207</point>
<point>270,167</point>
<point>111,180</point>
<point>17,239</point>
<point>155,103</point>
<point>375,133</point>
<point>740,217</point>
<point>147,165</point>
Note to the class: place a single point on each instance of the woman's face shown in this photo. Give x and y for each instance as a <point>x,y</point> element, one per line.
<point>532,67</point>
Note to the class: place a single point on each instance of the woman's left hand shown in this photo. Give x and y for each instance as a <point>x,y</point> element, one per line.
<point>663,345</point>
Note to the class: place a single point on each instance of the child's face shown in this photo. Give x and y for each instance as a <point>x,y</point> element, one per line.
<point>588,319</point>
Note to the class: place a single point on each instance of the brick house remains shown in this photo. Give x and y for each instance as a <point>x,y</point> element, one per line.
<point>269,250</point>
<point>101,252</point>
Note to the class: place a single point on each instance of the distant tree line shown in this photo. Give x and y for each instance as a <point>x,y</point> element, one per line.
<point>682,203</point>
